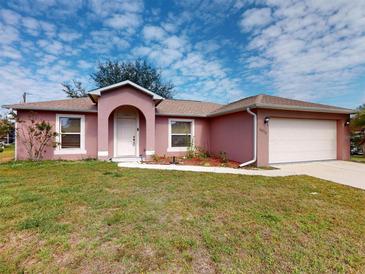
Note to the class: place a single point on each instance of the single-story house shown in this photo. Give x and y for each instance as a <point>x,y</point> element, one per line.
<point>125,120</point>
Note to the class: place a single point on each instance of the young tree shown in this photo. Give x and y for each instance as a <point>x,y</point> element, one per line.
<point>139,72</point>
<point>358,121</point>
<point>36,136</point>
<point>6,126</point>
<point>74,89</point>
<point>358,127</point>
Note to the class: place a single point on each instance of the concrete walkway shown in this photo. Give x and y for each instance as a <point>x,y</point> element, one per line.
<point>271,173</point>
<point>342,172</point>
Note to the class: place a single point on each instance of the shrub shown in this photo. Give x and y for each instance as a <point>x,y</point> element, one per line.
<point>223,157</point>
<point>190,153</point>
<point>202,153</point>
<point>36,136</point>
<point>155,157</point>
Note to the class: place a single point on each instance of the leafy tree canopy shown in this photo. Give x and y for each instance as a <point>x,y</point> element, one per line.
<point>6,126</point>
<point>74,89</point>
<point>112,72</point>
<point>139,72</point>
<point>358,121</point>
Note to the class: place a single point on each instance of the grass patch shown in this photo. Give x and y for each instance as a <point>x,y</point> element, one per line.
<point>358,158</point>
<point>7,155</point>
<point>94,217</point>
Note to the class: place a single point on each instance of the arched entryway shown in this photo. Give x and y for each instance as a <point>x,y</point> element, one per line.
<point>126,103</point>
<point>129,132</point>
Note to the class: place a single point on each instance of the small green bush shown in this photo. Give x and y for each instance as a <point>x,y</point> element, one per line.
<point>190,153</point>
<point>202,153</point>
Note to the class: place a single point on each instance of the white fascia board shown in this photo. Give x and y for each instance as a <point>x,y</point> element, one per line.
<point>127,82</point>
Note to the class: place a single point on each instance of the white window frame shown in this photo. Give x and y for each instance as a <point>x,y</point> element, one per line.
<point>63,151</point>
<point>192,135</point>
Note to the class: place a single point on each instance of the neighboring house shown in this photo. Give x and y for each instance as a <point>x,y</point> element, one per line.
<point>126,120</point>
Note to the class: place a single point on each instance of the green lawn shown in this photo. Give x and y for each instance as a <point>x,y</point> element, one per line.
<point>358,158</point>
<point>7,155</point>
<point>94,217</point>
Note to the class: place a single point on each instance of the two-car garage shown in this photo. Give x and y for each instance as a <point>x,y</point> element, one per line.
<point>297,140</point>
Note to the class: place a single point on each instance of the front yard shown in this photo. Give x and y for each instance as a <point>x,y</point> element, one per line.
<point>94,217</point>
<point>358,158</point>
<point>7,155</point>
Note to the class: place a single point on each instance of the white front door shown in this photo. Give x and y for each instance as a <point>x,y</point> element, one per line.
<point>126,143</point>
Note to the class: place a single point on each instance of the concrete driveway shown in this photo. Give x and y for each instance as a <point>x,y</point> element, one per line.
<point>342,172</point>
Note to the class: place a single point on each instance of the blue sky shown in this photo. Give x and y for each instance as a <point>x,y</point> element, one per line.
<point>217,50</point>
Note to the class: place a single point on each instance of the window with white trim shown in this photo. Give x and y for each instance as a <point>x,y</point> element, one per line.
<point>181,134</point>
<point>71,133</point>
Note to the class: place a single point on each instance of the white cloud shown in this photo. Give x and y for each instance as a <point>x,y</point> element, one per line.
<point>153,33</point>
<point>31,25</point>
<point>9,17</point>
<point>10,52</point>
<point>141,51</point>
<point>121,15</point>
<point>15,79</point>
<point>48,28</point>
<point>105,8</point>
<point>124,21</point>
<point>46,59</point>
<point>254,18</point>
<point>311,49</point>
<point>175,42</point>
<point>195,75</point>
<point>97,39</point>
<point>84,64</point>
<point>8,34</point>
<point>69,36</point>
<point>52,47</point>
<point>53,8</point>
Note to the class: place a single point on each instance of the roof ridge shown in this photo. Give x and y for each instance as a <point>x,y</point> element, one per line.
<point>302,101</point>
<point>242,99</point>
<point>56,100</point>
<point>259,97</point>
<point>188,100</point>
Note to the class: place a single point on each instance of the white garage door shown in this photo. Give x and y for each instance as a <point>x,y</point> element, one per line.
<point>297,140</point>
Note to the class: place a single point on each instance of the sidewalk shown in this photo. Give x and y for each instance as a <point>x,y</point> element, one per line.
<point>227,170</point>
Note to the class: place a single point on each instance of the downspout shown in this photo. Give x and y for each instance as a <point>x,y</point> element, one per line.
<point>254,139</point>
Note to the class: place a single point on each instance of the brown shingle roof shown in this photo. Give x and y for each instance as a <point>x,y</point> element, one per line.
<point>185,108</point>
<point>191,108</point>
<point>275,102</point>
<point>76,104</point>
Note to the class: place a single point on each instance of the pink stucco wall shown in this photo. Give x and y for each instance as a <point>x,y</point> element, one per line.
<point>233,135</point>
<point>142,134</point>
<point>48,116</point>
<point>201,135</point>
<point>343,133</point>
<point>111,100</point>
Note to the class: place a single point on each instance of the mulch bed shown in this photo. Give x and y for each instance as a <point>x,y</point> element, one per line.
<point>208,161</point>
